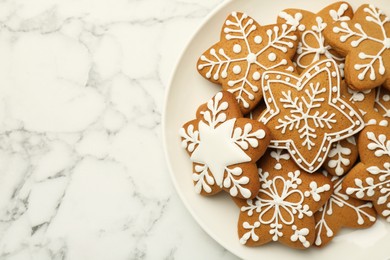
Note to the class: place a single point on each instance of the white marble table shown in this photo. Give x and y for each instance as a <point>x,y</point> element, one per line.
<point>82,169</point>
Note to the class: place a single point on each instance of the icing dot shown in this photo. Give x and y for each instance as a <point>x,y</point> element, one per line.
<point>256,76</point>
<point>334,101</point>
<point>334,89</point>
<point>350,131</point>
<point>237,69</point>
<point>342,107</point>
<point>258,39</point>
<point>386,98</point>
<point>237,48</point>
<point>351,113</point>
<point>278,77</point>
<point>328,138</point>
<point>272,111</point>
<point>263,120</point>
<point>272,56</point>
<point>324,149</point>
<point>334,74</point>
<point>311,168</point>
<point>320,159</point>
<point>269,100</point>
<point>299,160</point>
<point>251,58</point>
<point>266,77</point>
<point>328,64</point>
<point>293,152</point>
<point>357,122</point>
<point>288,79</point>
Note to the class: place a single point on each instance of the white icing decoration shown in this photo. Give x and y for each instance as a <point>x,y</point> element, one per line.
<point>278,155</point>
<point>300,101</point>
<point>382,101</point>
<point>375,16</point>
<point>237,69</point>
<point>258,39</point>
<point>339,156</point>
<point>358,96</point>
<point>237,48</point>
<point>341,200</point>
<point>300,234</point>
<point>275,195</point>
<point>293,20</point>
<point>216,146</point>
<point>339,14</point>
<point>315,191</point>
<point>240,29</point>
<point>272,56</point>
<point>256,76</point>
<point>379,144</point>
<point>251,233</point>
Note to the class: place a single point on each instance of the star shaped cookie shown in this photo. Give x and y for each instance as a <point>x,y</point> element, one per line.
<point>365,41</point>
<point>370,179</point>
<point>245,50</point>
<point>224,148</point>
<point>306,114</point>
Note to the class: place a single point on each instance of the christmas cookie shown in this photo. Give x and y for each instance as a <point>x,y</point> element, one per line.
<point>312,46</point>
<point>307,114</point>
<point>339,211</point>
<point>370,179</point>
<point>244,52</point>
<point>365,42</point>
<point>284,207</point>
<point>224,148</point>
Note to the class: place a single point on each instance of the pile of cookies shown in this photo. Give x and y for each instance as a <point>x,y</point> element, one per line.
<point>299,135</point>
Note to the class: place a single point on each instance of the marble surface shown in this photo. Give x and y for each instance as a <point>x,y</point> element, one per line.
<point>82,169</point>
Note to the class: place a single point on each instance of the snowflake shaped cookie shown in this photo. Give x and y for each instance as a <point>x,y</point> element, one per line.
<point>243,53</point>
<point>285,205</point>
<point>341,210</point>
<point>312,46</point>
<point>306,114</point>
<point>365,40</point>
<point>224,148</point>
<point>370,179</point>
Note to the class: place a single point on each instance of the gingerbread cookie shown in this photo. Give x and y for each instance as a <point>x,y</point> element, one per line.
<point>244,52</point>
<point>306,114</point>
<point>340,211</point>
<point>370,179</point>
<point>365,42</point>
<point>285,205</point>
<point>224,148</point>
<point>312,46</point>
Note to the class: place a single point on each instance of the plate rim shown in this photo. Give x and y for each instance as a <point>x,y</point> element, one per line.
<point>168,90</point>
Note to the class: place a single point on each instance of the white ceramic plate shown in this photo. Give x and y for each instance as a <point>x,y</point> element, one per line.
<point>218,215</point>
